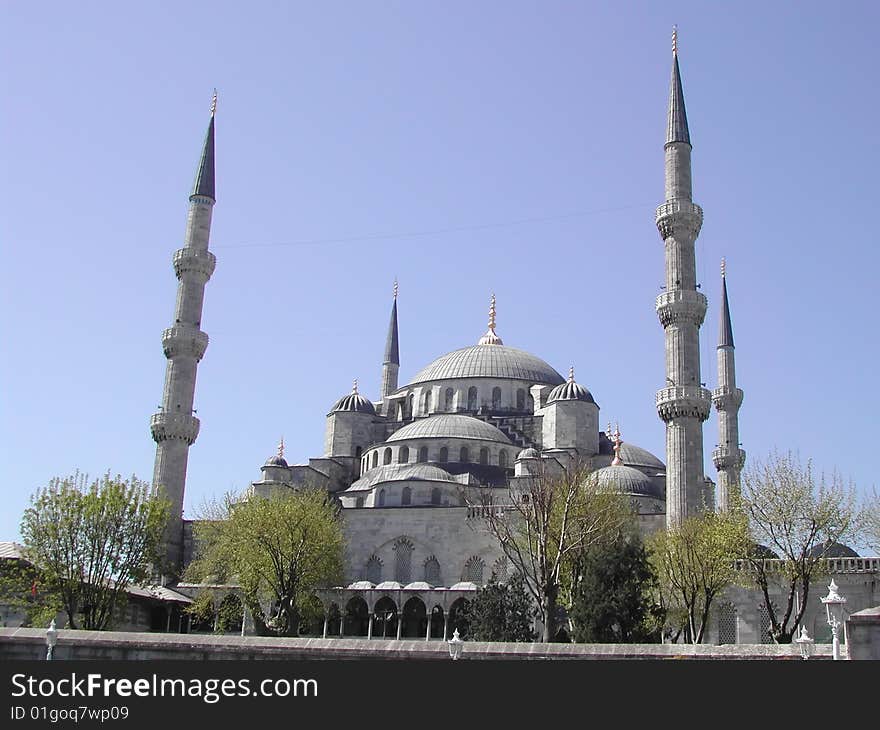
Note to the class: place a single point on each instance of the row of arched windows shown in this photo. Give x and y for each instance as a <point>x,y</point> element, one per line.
<point>406,497</point>
<point>403,456</point>
<point>447,402</point>
<point>474,567</point>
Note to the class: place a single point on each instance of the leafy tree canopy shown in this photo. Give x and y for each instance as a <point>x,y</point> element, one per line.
<point>501,612</point>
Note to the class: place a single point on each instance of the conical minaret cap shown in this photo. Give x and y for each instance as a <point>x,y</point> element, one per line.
<point>204,183</point>
<point>392,351</point>
<point>677,123</point>
<point>726,336</point>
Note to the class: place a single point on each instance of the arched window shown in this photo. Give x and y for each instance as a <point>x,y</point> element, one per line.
<point>403,455</point>
<point>502,459</point>
<point>444,455</point>
<point>726,623</point>
<point>403,549</point>
<point>357,452</point>
<point>381,497</point>
<point>520,400</point>
<point>499,569</point>
<point>484,455</point>
<point>473,570</point>
<point>411,401</point>
<point>449,399</point>
<point>427,402</point>
<point>375,458</point>
<point>435,495</point>
<point>359,502</point>
<point>406,496</point>
<point>472,398</point>
<point>432,571</point>
<point>387,458</point>
<point>530,403</point>
<point>496,398</point>
<point>423,454</point>
<point>463,455</point>
<point>373,570</point>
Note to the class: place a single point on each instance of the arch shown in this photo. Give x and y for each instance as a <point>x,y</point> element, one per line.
<point>381,497</point>
<point>472,398</point>
<point>474,569</point>
<point>496,398</point>
<point>726,623</point>
<point>530,403</point>
<point>435,495</point>
<point>403,550</point>
<point>432,571</point>
<point>385,624</point>
<point>484,455</point>
<point>415,618</point>
<point>436,622</point>
<point>764,625</point>
<point>386,459</point>
<point>373,569</point>
<point>444,455</point>
<point>499,569</point>
<point>427,402</point>
<point>403,455</point>
<point>334,617</point>
<point>458,617</point>
<point>410,405</point>
<point>423,454</point>
<point>406,496</point>
<point>357,617</point>
<point>203,621</point>
<point>358,451</point>
<point>502,459</point>
<point>464,455</point>
<point>520,399</point>
<point>375,459</point>
<point>359,502</point>
<point>448,400</point>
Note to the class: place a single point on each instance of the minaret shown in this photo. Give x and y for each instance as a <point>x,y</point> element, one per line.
<point>174,427</point>
<point>727,398</point>
<point>391,363</point>
<point>683,404</point>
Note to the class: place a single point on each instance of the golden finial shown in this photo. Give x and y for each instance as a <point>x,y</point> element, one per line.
<point>674,40</point>
<point>618,442</point>
<point>281,448</point>
<point>723,267</point>
<point>571,374</point>
<point>214,103</point>
<point>354,387</point>
<point>492,313</point>
<point>395,287</point>
<point>490,338</point>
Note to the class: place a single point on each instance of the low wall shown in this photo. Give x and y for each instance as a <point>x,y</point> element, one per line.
<point>110,645</point>
<point>863,634</point>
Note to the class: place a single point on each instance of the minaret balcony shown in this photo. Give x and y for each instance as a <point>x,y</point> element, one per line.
<point>726,458</point>
<point>167,426</point>
<point>184,342</point>
<point>681,306</point>
<point>679,218</point>
<point>192,260</point>
<point>684,401</point>
<point>727,399</point>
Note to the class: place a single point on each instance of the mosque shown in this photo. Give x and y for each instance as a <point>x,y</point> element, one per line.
<point>485,415</point>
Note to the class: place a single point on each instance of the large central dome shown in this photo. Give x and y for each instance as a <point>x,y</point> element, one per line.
<point>489,361</point>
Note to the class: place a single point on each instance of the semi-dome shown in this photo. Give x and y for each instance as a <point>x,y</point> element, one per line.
<point>450,426</point>
<point>489,361</point>
<point>570,390</point>
<point>354,402</point>
<point>401,473</point>
<point>627,480</point>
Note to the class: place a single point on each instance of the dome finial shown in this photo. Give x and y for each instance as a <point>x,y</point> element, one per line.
<point>571,374</point>
<point>354,387</point>
<point>674,40</point>
<point>281,448</point>
<point>395,288</point>
<point>490,338</point>
<point>723,267</point>
<point>214,103</point>
<point>615,439</point>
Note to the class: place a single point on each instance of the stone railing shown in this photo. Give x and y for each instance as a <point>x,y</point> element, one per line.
<point>724,456</point>
<point>831,565</point>
<point>681,305</point>
<point>683,401</point>
<point>185,341</point>
<point>194,260</point>
<point>725,398</point>
<point>677,217</point>
<point>164,426</point>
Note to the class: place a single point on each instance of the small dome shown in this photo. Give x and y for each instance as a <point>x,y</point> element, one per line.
<point>354,402</point>
<point>829,549</point>
<point>570,390</point>
<point>361,585</point>
<point>464,586</point>
<point>389,585</point>
<point>448,426</point>
<point>276,460</point>
<point>528,453</point>
<point>401,473</point>
<point>419,585</point>
<point>627,480</point>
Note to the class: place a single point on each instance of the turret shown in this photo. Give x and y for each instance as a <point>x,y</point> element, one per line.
<point>728,457</point>
<point>174,427</point>
<point>683,404</point>
<point>570,419</point>
<point>349,429</point>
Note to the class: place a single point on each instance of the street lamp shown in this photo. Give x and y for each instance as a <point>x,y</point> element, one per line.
<point>456,645</point>
<point>805,643</point>
<point>834,610</point>
<point>51,640</point>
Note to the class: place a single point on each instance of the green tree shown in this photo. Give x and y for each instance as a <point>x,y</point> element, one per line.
<point>612,600</point>
<point>872,521</point>
<point>23,591</point>
<point>90,541</point>
<point>794,514</point>
<point>501,612</point>
<point>694,562</point>
<point>278,549</point>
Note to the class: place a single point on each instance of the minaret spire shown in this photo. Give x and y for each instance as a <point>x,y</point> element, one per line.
<point>391,361</point>
<point>684,403</point>
<point>491,338</point>
<point>174,427</point>
<point>728,457</point>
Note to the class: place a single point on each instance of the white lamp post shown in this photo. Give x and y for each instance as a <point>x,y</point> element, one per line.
<point>51,640</point>
<point>805,643</point>
<point>834,603</point>
<point>456,645</point>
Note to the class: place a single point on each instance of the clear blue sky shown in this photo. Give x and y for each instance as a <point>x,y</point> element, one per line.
<point>464,148</point>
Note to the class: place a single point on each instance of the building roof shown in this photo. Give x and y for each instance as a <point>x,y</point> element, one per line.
<point>11,551</point>
<point>450,426</point>
<point>570,390</point>
<point>354,402</point>
<point>632,455</point>
<point>676,123</point>
<point>489,361</point>
<point>832,550</point>
<point>392,350</point>
<point>204,183</point>
<point>627,480</point>
<point>726,337</point>
<point>400,473</point>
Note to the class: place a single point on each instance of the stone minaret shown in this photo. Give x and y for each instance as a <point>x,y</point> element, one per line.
<point>683,404</point>
<point>727,398</point>
<point>391,362</point>
<point>174,427</point>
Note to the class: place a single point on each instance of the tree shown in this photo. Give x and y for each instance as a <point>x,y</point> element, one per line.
<point>90,541</point>
<point>694,562</point>
<point>540,524</point>
<point>612,596</point>
<point>500,612</point>
<point>278,549</point>
<point>794,514</point>
<point>872,521</point>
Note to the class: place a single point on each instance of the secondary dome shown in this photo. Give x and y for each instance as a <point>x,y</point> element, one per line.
<point>829,549</point>
<point>450,426</point>
<point>354,402</point>
<point>570,390</point>
<point>626,480</point>
<point>401,473</point>
<point>489,361</point>
<point>529,453</point>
